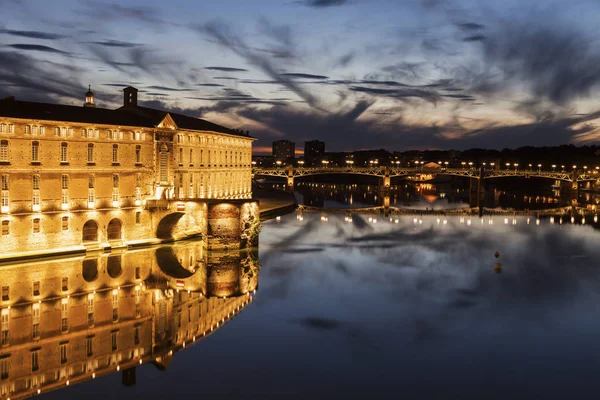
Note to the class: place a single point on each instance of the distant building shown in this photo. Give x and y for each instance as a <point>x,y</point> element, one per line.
<point>283,151</point>
<point>314,152</point>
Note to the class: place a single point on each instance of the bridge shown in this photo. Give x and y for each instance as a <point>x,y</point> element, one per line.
<point>471,211</point>
<point>385,173</point>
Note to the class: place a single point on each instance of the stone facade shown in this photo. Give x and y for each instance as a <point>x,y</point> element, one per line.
<point>73,179</point>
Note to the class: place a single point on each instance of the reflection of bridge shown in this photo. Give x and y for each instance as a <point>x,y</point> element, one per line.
<point>390,211</point>
<point>385,173</point>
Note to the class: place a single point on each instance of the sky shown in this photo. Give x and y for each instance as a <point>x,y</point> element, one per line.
<point>356,74</point>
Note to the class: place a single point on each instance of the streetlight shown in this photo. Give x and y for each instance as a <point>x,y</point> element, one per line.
<point>463,163</point>
<point>507,165</point>
<point>574,166</point>
<point>446,164</point>
<point>278,164</point>
<point>562,168</point>
<point>492,164</point>
<point>539,167</point>
<point>516,166</point>
<point>325,162</point>
<point>553,167</point>
<point>530,167</point>
<point>301,163</point>
<point>484,164</point>
<point>470,164</point>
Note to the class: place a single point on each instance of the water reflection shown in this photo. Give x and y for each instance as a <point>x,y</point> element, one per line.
<point>71,320</point>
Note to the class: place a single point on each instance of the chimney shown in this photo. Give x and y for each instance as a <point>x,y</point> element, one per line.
<point>130,97</point>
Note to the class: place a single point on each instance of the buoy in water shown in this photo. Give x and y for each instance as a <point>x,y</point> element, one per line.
<point>496,254</point>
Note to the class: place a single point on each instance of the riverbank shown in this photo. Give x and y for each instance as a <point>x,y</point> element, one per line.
<point>273,203</point>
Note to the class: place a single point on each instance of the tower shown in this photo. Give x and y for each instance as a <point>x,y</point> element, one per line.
<point>89,98</point>
<point>130,97</point>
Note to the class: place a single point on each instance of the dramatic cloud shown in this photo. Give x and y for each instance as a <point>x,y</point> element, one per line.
<point>226,69</point>
<point>36,47</point>
<point>33,34</point>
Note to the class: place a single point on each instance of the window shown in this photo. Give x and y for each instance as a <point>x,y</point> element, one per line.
<point>138,154</point>
<point>180,156</point>
<point>64,184</point>
<point>11,128</point>
<point>136,335</point>
<point>27,129</point>
<point>65,284</point>
<point>109,134</point>
<point>5,227</point>
<point>35,355</point>
<point>36,288</point>
<point>36,225</point>
<point>90,309</point>
<point>65,223</point>
<point>35,151</point>
<point>115,195</point>
<point>138,303</point>
<point>63,353</point>
<point>113,340</point>
<point>35,313</point>
<point>89,345</point>
<point>70,132</point>
<point>64,156</point>
<point>115,153</point>
<point>42,130</point>
<point>91,191</point>
<point>90,153</point>
<point>35,201</point>
<point>5,200</point>
<point>83,132</point>
<point>138,217</point>
<point>4,315</point>
<point>115,305</point>
<point>164,162</point>
<point>4,368</point>
<point>63,132</point>
<point>2,128</point>
<point>90,133</point>
<point>3,150</point>
<point>64,313</point>
<point>56,131</point>
<point>191,157</point>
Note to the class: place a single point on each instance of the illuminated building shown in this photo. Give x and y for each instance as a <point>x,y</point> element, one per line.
<point>81,178</point>
<point>284,151</point>
<point>314,153</point>
<point>71,320</point>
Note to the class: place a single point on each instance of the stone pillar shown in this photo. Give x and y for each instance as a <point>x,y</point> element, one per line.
<point>290,178</point>
<point>232,224</point>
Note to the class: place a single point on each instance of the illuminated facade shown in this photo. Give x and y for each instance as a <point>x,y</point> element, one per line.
<point>72,320</point>
<point>76,178</point>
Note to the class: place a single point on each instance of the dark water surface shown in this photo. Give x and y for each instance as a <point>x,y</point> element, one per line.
<point>414,309</point>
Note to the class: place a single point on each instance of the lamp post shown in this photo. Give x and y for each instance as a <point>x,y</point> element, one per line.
<point>278,164</point>
<point>539,167</point>
<point>484,165</point>
<point>516,166</point>
<point>446,164</point>
<point>470,165</point>
<point>492,164</point>
<point>325,162</point>
<point>553,167</point>
<point>530,167</point>
<point>507,165</point>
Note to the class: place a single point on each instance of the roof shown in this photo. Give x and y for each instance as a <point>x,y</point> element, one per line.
<point>125,116</point>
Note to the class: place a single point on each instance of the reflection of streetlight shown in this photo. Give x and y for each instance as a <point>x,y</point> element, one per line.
<point>278,164</point>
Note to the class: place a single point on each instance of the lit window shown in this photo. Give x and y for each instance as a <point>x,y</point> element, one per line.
<point>4,151</point>
<point>90,133</point>
<point>42,130</point>
<point>2,128</point>
<point>90,310</point>
<point>34,130</point>
<point>90,153</point>
<point>63,132</point>
<point>109,134</point>
<point>35,315</point>
<point>35,151</point>
<point>27,129</point>
<point>91,191</point>
<point>64,182</point>
<point>83,132</point>
<point>115,153</point>
<point>64,313</point>
<point>64,155</point>
<point>70,132</point>
<point>115,196</point>
<point>5,227</point>
<point>4,368</point>
<point>35,202</point>
<point>11,128</point>
<point>36,225</point>
<point>65,223</point>
<point>4,325</point>
<point>115,305</point>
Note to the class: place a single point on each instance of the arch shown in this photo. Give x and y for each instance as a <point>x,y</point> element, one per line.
<point>114,229</point>
<point>113,266</point>
<point>89,269</point>
<point>89,232</point>
<point>170,265</point>
<point>166,225</point>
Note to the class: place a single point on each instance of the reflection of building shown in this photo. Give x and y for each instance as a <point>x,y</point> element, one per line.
<point>71,320</point>
<point>86,175</point>
<point>284,151</point>
<point>314,153</point>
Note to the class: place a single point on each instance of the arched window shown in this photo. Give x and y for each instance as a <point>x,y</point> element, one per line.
<point>113,230</point>
<point>90,231</point>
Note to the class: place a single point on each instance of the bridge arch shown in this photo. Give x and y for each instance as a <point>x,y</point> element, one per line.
<point>166,225</point>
